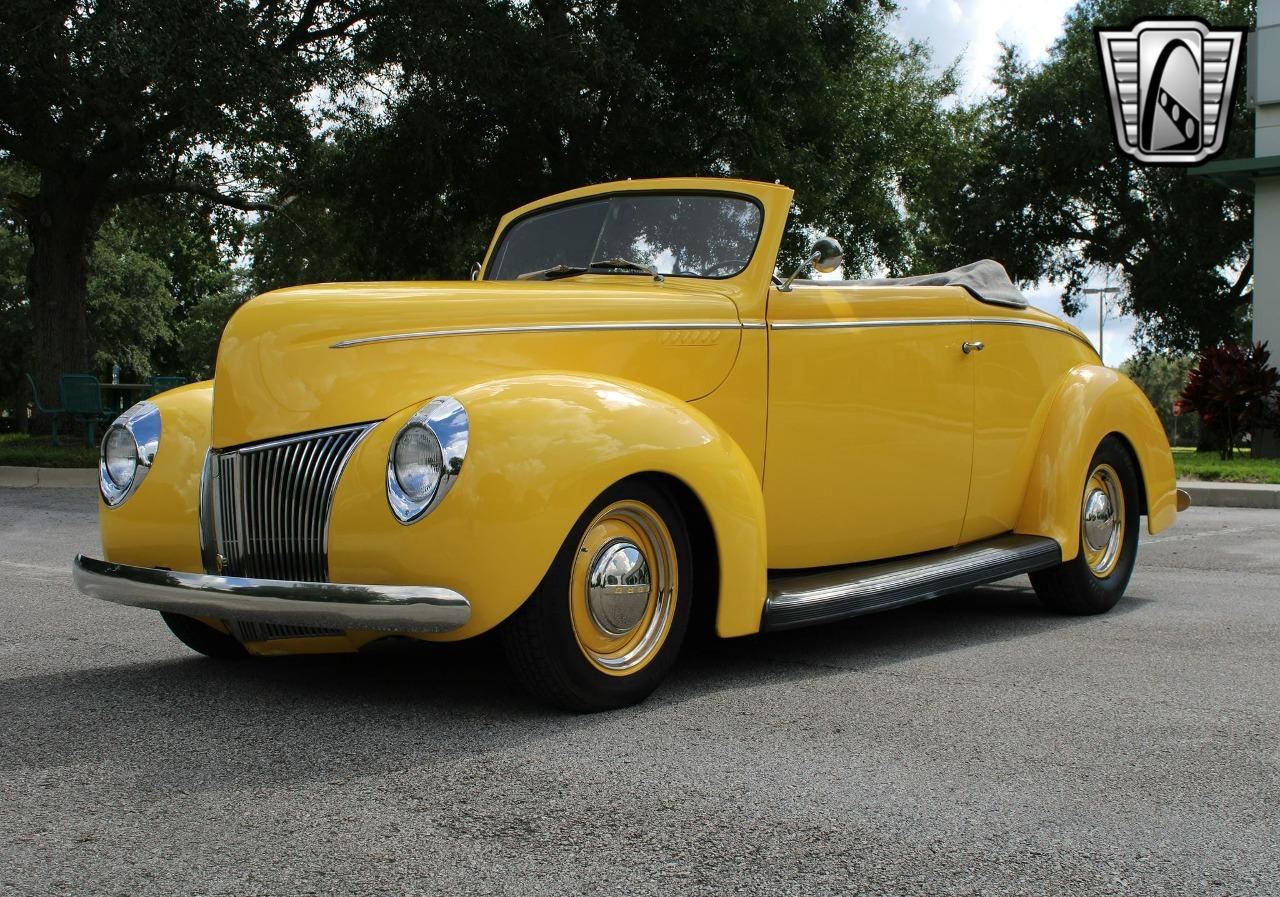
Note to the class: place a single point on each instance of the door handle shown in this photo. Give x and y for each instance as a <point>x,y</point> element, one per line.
<point>973,347</point>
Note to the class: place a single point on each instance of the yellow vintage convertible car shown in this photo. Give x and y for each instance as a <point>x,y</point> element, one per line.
<point>624,422</point>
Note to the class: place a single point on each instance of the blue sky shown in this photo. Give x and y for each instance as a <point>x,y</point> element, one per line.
<point>972,30</point>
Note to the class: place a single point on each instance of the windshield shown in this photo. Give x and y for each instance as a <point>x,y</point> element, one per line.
<point>683,235</point>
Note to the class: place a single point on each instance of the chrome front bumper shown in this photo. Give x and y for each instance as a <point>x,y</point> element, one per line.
<point>333,605</point>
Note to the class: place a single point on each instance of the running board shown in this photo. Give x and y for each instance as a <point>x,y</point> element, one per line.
<point>803,599</point>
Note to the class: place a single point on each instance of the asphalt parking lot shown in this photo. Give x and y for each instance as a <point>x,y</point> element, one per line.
<point>974,745</point>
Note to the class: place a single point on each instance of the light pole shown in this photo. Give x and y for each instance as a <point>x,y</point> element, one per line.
<point>1102,293</point>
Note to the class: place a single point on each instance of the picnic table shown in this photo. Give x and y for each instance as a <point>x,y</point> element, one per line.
<point>116,397</point>
<point>88,401</point>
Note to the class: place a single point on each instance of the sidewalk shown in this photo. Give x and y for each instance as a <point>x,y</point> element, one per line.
<point>48,476</point>
<point>1231,495</point>
<point>1203,494</point>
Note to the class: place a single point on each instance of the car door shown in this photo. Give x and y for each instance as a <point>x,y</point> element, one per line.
<point>1025,356</point>
<point>870,423</point>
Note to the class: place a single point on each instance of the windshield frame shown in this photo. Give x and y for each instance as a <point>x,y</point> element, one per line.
<point>610,194</point>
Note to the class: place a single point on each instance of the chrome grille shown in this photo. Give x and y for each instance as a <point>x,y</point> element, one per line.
<point>270,504</point>
<point>253,631</point>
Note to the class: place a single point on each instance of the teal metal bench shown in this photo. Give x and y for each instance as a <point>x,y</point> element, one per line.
<point>160,384</point>
<point>51,410</point>
<point>82,400</point>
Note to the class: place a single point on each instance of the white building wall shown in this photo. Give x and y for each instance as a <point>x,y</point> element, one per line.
<point>1266,220</point>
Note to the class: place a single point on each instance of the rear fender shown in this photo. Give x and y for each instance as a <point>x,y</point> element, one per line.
<point>1093,402</point>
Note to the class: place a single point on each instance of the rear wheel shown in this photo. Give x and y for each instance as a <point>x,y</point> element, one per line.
<point>1095,579</point>
<point>606,623</point>
<point>203,638</point>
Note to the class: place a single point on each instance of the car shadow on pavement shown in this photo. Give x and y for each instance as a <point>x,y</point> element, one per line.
<point>192,724</point>
<point>978,617</point>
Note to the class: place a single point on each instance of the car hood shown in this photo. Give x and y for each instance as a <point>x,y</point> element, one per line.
<point>314,357</point>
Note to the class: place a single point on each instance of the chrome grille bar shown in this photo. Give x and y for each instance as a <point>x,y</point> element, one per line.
<point>270,504</point>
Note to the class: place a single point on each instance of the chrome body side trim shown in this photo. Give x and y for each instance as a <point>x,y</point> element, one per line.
<point>538,328</point>
<point>339,606</point>
<point>702,325</point>
<point>803,599</point>
<point>854,324</point>
<point>860,323</point>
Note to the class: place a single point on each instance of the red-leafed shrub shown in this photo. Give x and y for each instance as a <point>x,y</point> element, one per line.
<point>1234,391</point>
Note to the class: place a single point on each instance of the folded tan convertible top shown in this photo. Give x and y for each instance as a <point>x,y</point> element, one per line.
<point>985,279</point>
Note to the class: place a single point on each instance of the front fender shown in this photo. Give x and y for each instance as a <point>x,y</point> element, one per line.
<point>1093,402</point>
<point>542,447</point>
<point>160,523</point>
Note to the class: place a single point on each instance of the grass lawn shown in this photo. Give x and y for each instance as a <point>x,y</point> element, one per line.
<point>1240,469</point>
<point>18,450</point>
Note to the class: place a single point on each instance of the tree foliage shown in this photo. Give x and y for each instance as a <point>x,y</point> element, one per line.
<point>1235,391</point>
<point>1047,192</point>
<point>161,284</point>
<point>106,103</point>
<point>481,106</point>
<point>1162,378</point>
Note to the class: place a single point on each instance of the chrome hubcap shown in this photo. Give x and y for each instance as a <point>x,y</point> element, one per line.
<point>1099,520</point>
<point>1102,521</point>
<point>623,587</point>
<point>618,587</point>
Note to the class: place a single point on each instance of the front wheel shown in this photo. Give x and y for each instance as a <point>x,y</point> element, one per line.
<point>1095,579</point>
<point>606,623</point>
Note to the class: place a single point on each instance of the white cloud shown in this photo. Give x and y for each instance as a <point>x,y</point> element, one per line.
<point>1117,331</point>
<point>972,30</point>
<point>975,29</point>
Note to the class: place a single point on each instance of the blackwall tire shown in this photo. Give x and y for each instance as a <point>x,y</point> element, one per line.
<point>1095,579</point>
<point>586,649</point>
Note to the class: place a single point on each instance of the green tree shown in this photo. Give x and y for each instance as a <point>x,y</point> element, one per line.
<point>108,102</point>
<point>1235,391</point>
<point>129,303</point>
<point>481,106</point>
<point>1046,191</point>
<point>161,284</point>
<point>1162,378</point>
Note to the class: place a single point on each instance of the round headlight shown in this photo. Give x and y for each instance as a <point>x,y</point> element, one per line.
<point>120,456</point>
<point>425,458</point>
<point>418,462</point>
<point>127,452</point>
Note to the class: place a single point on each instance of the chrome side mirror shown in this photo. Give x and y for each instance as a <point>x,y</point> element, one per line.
<point>825,256</point>
<point>475,270</point>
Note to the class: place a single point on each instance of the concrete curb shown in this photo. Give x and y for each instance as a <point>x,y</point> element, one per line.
<point>48,476</point>
<point>1232,495</point>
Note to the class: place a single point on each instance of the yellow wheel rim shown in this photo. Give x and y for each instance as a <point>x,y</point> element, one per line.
<point>623,588</point>
<point>1102,519</point>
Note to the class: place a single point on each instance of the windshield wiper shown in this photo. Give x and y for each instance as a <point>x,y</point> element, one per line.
<point>614,264</point>
<point>552,273</point>
<point>622,264</point>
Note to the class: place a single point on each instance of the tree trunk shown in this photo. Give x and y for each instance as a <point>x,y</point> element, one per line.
<point>62,224</point>
<point>1208,441</point>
